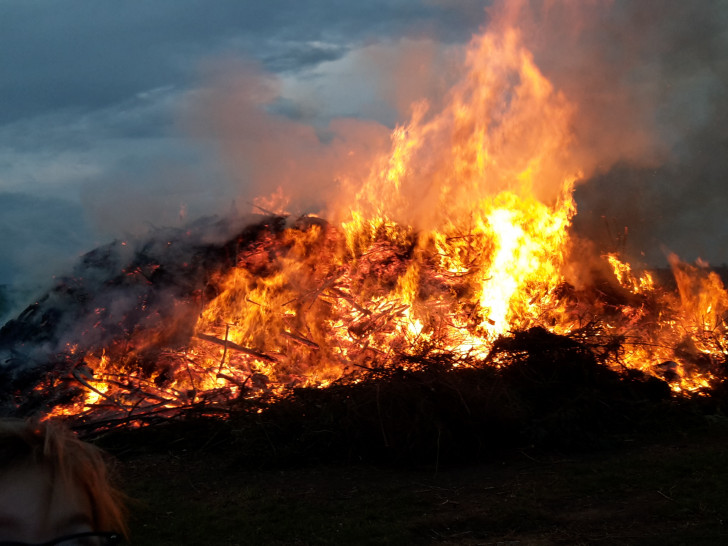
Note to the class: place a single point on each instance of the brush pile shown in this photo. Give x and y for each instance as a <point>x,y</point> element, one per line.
<point>119,343</point>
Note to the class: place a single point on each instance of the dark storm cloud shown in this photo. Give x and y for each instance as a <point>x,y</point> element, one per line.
<point>86,54</point>
<point>80,75</point>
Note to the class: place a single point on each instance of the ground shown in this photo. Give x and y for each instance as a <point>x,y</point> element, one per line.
<point>668,488</point>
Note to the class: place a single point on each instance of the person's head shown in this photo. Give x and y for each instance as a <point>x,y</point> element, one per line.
<point>54,485</point>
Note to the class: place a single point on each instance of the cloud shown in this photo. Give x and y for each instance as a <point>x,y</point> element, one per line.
<point>85,55</point>
<point>90,89</point>
<point>59,151</point>
<point>313,136</point>
<point>266,152</point>
<point>378,81</point>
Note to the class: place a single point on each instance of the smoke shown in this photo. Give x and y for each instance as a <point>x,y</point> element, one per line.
<point>272,158</point>
<point>130,204</point>
<point>301,143</point>
<point>646,81</point>
<point>119,168</point>
<point>324,166</point>
<point>649,80</point>
<point>410,70</point>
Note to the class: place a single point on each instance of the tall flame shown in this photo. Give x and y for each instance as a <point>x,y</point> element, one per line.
<point>458,235</point>
<point>487,178</point>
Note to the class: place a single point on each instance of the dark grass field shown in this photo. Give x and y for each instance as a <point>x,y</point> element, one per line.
<point>666,488</point>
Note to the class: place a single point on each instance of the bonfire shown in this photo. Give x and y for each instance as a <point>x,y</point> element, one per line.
<point>458,240</point>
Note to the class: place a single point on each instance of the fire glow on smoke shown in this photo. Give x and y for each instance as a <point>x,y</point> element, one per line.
<point>460,234</point>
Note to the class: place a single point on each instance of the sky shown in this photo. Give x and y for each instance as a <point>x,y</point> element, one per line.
<point>111,117</point>
<point>95,136</point>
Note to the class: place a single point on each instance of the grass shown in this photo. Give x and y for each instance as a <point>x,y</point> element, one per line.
<point>671,489</point>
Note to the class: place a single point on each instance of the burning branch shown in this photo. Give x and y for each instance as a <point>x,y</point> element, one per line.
<point>236,347</point>
<point>302,340</point>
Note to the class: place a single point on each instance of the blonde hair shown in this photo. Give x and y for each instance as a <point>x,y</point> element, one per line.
<point>75,463</point>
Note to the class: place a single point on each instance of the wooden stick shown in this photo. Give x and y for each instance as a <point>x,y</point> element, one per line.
<point>266,211</point>
<point>232,380</point>
<point>225,348</point>
<point>235,346</point>
<point>86,384</point>
<point>136,389</point>
<point>316,292</point>
<point>302,340</point>
<point>349,299</point>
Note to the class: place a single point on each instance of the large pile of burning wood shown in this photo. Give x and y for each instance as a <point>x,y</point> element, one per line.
<point>194,326</point>
<point>458,237</point>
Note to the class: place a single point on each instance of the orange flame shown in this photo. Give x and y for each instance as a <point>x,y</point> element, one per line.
<point>458,235</point>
